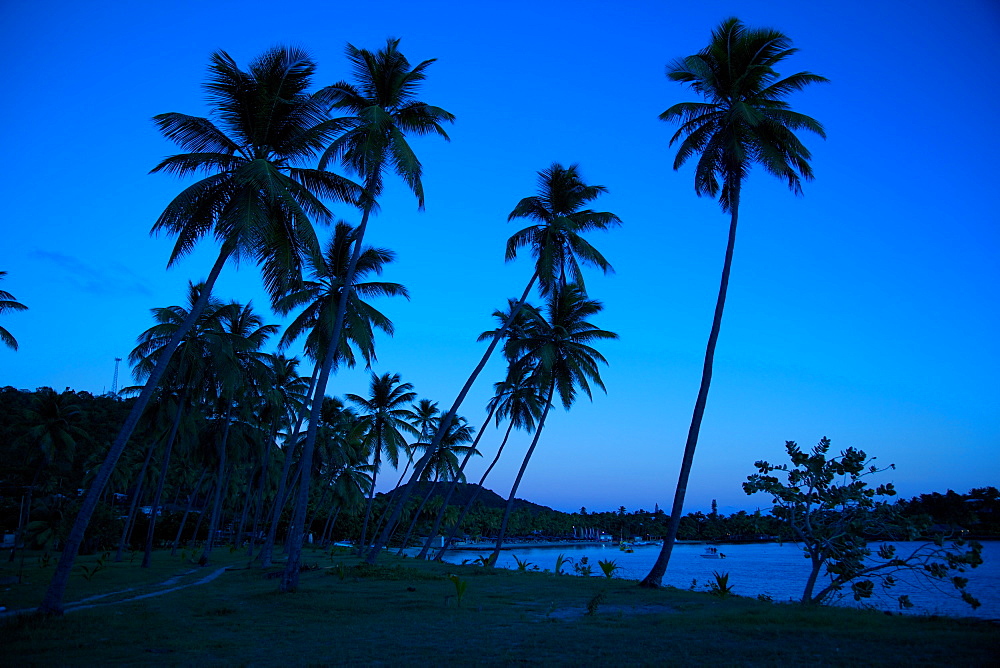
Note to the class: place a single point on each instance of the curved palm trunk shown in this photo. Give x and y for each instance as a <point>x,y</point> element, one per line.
<point>475,495</point>
<point>331,519</point>
<point>201,516</point>
<point>262,491</point>
<point>416,515</point>
<point>655,576</point>
<point>266,552</point>
<point>213,523</point>
<point>52,603</point>
<point>453,486</point>
<point>520,474</point>
<point>127,529</point>
<point>187,510</point>
<point>444,425</point>
<point>368,508</point>
<point>392,495</point>
<point>290,578</point>
<point>147,555</point>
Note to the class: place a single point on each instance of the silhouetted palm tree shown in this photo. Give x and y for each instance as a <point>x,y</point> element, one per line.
<point>256,201</point>
<point>385,420</point>
<point>382,110</point>
<point>743,121</point>
<point>556,348</point>
<point>558,250</point>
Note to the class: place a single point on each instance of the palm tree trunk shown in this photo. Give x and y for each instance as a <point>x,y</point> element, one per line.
<point>262,491</point>
<point>655,576</point>
<point>444,425</point>
<point>247,500</point>
<point>416,516</point>
<point>453,485</point>
<point>127,529</point>
<point>475,495</point>
<point>290,578</point>
<point>147,556</point>
<point>190,502</point>
<point>331,519</point>
<point>212,490</point>
<point>213,524</point>
<point>368,508</point>
<point>392,495</point>
<point>520,474</point>
<point>266,552</point>
<point>52,603</point>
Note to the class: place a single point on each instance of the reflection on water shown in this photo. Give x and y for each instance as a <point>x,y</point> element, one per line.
<point>774,570</point>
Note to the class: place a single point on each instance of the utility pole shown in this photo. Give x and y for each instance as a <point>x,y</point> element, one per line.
<point>114,383</point>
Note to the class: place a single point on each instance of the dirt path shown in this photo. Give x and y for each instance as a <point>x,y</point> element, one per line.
<point>170,584</point>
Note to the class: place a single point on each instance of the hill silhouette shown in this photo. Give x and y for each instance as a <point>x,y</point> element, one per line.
<point>464,492</point>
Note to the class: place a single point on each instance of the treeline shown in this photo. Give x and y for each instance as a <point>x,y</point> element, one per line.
<point>52,442</point>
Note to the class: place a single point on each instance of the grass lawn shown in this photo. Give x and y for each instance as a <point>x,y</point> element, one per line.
<point>406,612</point>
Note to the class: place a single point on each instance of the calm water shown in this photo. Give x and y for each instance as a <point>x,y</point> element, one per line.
<point>779,571</point>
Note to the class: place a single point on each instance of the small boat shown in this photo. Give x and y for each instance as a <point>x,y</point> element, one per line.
<point>625,547</point>
<point>713,553</point>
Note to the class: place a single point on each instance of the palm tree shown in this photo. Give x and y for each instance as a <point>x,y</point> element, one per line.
<point>559,217</point>
<point>503,404</point>
<point>743,121</point>
<point>443,465</point>
<point>385,419</point>
<point>256,201</point>
<point>518,400</point>
<point>558,250</point>
<point>239,370</point>
<point>557,351</point>
<point>320,295</point>
<point>382,110</point>
<point>8,303</point>
<point>282,402</point>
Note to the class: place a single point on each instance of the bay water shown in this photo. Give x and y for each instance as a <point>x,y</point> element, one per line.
<point>778,571</point>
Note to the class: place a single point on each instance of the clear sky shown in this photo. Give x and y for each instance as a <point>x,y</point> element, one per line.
<point>865,311</point>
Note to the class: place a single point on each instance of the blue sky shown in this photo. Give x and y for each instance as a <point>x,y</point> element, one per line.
<point>865,311</point>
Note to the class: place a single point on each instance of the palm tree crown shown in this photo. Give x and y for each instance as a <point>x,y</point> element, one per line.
<point>257,200</point>
<point>555,240</point>
<point>743,120</point>
<point>321,294</point>
<point>383,110</point>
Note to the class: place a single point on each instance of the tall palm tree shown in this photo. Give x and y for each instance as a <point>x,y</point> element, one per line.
<point>382,109</point>
<point>557,349</point>
<point>239,370</point>
<point>385,419</point>
<point>742,121</point>
<point>257,201</point>
<point>558,250</point>
<point>8,303</point>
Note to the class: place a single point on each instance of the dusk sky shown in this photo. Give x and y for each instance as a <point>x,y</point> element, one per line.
<point>865,311</point>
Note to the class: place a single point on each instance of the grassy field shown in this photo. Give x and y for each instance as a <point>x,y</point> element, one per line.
<point>406,612</point>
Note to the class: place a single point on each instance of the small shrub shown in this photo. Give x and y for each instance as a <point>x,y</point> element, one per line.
<point>561,560</point>
<point>721,586</point>
<point>460,587</point>
<point>583,567</point>
<point>524,566</point>
<point>608,567</point>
